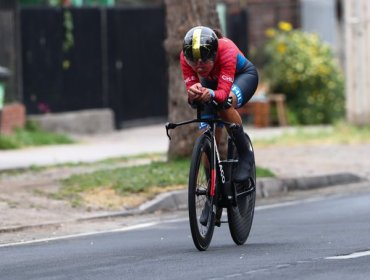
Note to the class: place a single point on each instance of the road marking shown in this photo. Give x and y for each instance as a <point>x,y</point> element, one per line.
<point>350,256</point>
<point>145,225</point>
<point>140,226</point>
<point>289,203</point>
<point>128,228</point>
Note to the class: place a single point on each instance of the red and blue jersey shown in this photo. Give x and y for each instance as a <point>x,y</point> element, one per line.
<point>229,62</point>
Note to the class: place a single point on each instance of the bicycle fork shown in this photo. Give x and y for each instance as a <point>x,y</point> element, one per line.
<point>215,158</point>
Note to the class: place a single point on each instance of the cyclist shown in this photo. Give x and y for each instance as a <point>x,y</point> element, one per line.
<point>217,74</point>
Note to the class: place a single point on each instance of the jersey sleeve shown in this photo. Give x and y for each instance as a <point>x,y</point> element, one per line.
<point>190,77</point>
<point>227,72</point>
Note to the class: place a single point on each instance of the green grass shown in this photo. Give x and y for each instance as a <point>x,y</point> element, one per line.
<point>264,172</point>
<point>20,171</point>
<point>340,133</point>
<point>31,135</point>
<point>131,180</point>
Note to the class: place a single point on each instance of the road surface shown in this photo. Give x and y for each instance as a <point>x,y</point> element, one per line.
<point>321,238</point>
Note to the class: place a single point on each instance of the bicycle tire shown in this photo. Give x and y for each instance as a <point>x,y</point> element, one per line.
<point>199,193</point>
<point>240,217</point>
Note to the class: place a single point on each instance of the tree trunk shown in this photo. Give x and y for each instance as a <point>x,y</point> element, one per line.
<point>8,51</point>
<point>180,17</point>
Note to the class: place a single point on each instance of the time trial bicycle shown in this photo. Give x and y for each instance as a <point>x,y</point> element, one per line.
<point>211,187</point>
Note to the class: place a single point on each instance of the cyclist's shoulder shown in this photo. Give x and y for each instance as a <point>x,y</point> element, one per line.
<point>225,44</point>
<point>227,49</point>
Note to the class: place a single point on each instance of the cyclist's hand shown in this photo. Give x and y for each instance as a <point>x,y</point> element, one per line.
<point>194,92</point>
<point>206,95</point>
<point>199,93</point>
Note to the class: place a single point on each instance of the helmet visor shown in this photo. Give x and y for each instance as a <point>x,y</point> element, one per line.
<point>204,53</point>
<point>199,62</point>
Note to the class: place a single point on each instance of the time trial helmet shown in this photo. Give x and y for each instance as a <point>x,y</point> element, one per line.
<point>200,42</point>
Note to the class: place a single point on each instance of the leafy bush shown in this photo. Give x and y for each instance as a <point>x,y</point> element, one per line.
<point>300,65</point>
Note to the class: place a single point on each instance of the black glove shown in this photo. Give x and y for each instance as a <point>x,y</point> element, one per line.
<point>228,103</point>
<point>225,105</point>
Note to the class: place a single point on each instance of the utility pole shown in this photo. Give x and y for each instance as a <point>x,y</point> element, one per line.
<point>357,53</point>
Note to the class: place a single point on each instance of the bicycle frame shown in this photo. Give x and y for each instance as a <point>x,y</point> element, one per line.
<point>215,156</point>
<point>208,198</point>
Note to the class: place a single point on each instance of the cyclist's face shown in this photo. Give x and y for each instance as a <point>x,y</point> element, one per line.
<point>203,68</point>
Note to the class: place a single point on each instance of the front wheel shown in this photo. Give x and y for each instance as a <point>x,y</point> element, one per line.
<point>241,216</point>
<point>201,204</point>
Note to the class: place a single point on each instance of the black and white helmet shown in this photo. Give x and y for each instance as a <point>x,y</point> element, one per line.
<point>200,42</point>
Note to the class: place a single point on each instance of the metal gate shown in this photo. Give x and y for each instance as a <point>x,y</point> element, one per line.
<point>86,58</point>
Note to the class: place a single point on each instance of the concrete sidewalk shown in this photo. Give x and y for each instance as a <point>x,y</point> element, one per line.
<point>286,162</point>
<point>127,142</point>
<point>89,148</point>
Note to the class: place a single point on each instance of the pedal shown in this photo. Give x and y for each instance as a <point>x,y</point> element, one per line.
<point>218,223</point>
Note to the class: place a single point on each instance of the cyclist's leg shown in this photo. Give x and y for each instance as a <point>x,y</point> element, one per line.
<point>241,92</point>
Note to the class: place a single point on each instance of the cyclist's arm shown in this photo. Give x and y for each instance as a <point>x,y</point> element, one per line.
<point>226,77</point>
<point>190,77</point>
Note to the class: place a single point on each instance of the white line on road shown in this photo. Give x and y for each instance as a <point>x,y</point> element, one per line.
<point>80,234</point>
<point>350,256</point>
<point>145,225</point>
<point>288,203</point>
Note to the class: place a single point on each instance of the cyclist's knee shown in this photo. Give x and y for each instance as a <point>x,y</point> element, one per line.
<point>230,114</point>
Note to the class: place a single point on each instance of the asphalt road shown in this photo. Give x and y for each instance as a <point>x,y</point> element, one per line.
<point>311,239</point>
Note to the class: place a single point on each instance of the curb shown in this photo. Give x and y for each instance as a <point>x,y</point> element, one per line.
<point>177,200</point>
<point>25,227</point>
<point>267,187</point>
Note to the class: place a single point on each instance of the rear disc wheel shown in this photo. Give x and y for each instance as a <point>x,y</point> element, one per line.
<point>241,216</point>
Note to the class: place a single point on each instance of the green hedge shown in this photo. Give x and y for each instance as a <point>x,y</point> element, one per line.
<point>303,67</point>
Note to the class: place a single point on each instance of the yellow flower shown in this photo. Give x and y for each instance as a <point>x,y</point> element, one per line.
<point>285,26</point>
<point>66,64</point>
<point>281,48</point>
<point>270,32</point>
<point>323,69</point>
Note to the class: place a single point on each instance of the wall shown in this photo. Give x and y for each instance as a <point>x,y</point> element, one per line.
<point>320,17</point>
<point>263,14</point>
<point>12,116</point>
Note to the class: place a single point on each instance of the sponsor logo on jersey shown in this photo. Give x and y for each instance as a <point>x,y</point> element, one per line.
<point>227,78</point>
<point>189,79</point>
